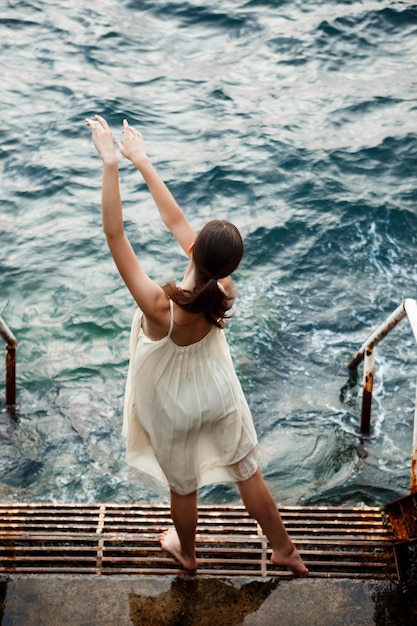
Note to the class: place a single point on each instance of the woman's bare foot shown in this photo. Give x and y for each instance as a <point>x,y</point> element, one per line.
<point>293,561</point>
<point>170,543</point>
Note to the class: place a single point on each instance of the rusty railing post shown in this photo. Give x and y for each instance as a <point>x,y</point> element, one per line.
<point>368,383</point>
<point>413,478</point>
<point>11,344</point>
<point>411,308</point>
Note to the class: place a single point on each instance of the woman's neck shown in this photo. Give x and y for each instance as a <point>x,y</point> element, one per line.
<point>189,280</point>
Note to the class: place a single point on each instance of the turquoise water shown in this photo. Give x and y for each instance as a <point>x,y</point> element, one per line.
<point>295,120</point>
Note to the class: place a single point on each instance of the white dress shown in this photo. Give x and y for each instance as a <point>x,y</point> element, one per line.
<point>186,420</point>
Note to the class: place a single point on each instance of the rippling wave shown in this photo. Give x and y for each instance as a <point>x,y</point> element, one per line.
<point>297,122</point>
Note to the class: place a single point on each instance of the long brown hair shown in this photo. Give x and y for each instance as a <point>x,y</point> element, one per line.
<point>218,250</point>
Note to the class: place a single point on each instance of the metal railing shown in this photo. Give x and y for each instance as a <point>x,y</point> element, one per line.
<point>366,353</point>
<point>11,344</point>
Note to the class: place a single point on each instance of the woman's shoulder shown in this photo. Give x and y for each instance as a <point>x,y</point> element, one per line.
<point>157,323</point>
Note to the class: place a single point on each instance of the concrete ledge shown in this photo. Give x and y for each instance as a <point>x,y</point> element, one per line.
<point>204,601</point>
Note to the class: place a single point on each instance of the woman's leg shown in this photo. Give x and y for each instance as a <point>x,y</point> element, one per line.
<point>180,543</point>
<point>261,506</point>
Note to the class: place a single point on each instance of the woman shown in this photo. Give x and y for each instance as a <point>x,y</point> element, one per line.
<point>186,419</point>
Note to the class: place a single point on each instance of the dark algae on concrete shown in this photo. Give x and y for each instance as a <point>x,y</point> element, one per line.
<point>200,601</point>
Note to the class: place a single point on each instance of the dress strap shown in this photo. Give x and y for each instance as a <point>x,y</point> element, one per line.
<point>171,310</point>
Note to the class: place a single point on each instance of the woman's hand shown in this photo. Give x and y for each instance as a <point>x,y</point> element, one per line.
<point>102,139</point>
<point>133,146</point>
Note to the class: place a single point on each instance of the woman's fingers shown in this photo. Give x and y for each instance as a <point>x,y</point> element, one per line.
<point>127,130</point>
<point>130,130</point>
<point>98,123</point>
<point>102,121</point>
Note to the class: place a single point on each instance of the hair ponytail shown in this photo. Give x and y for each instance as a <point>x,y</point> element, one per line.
<point>217,251</point>
<point>209,299</point>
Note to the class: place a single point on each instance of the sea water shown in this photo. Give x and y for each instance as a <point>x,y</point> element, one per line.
<point>295,120</point>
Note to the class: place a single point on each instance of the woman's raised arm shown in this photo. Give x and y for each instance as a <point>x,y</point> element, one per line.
<point>149,295</point>
<point>171,214</point>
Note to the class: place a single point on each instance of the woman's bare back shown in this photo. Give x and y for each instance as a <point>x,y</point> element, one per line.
<point>188,328</point>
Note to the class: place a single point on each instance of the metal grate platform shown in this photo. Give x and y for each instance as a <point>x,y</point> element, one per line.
<point>108,539</point>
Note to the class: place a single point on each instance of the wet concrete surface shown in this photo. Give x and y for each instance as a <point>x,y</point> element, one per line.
<point>61,600</point>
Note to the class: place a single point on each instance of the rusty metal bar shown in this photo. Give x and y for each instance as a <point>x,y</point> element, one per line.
<point>11,344</point>
<point>408,308</point>
<point>382,330</point>
<point>368,383</point>
<point>413,478</point>
<point>411,308</point>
